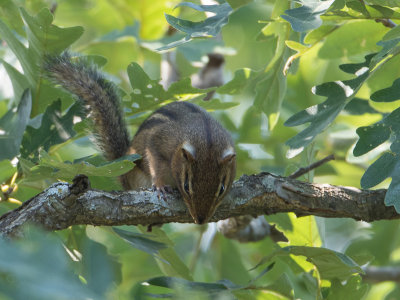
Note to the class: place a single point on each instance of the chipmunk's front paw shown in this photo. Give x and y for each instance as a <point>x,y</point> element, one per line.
<point>162,191</point>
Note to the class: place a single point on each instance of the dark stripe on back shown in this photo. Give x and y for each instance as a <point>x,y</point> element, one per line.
<point>207,128</point>
<point>150,123</point>
<point>169,113</point>
<point>193,108</point>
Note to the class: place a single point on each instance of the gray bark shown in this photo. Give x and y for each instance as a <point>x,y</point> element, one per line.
<point>63,204</point>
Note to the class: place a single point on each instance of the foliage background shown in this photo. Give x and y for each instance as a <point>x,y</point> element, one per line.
<point>85,261</point>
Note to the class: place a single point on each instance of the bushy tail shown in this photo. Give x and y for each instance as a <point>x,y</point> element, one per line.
<point>85,81</point>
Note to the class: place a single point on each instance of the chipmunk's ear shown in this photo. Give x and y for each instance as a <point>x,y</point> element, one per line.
<point>188,152</point>
<point>227,156</point>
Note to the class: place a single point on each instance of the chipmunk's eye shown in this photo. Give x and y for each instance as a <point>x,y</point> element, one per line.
<point>186,184</point>
<point>222,189</point>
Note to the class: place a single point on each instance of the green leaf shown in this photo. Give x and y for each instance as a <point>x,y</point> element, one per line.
<point>18,80</point>
<point>183,90</point>
<point>45,37</point>
<point>6,170</point>
<point>19,50</point>
<point>351,289</point>
<point>147,93</point>
<point>390,3</point>
<point>358,7</point>
<point>307,17</point>
<point>143,242</point>
<point>171,264</point>
<point>126,46</point>
<point>38,268</point>
<point>206,28</point>
<point>300,48</point>
<point>304,231</point>
<point>10,14</point>
<point>51,168</point>
<point>271,85</point>
<point>320,116</point>
<point>388,165</point>
<point>281,288</point>
<point>359,106</point>
<point>371,137</point>
<point>13,125</point>
<point>100,270</point>
<point>239,81</point>
<point>319,34</point>
<point>214,289</point>
<point>375,134</point>
<point>351,39</point>
<point>330,264</point>
<point>384,167</point>
<point>270,91</point>
<point>389,94</point>
<point>393,34</point>
<point>238,3</point>
<point>378,11</point>
<point>55,128</point>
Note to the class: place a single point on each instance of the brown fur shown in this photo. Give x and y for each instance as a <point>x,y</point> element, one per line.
<point>160,141</point>
<point>181,144</point>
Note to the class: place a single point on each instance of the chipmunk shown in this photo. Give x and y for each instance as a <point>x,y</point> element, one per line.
<point>180,144</point>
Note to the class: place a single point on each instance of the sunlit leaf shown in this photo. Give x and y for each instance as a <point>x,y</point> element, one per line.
<point>18,80</point>
<point>390,3</point>
<point>353,288</point>
<point>308,15</point>
<point>44,37</point>
<point>330,264</point>
<point>10,14</point>
<point>6,170</point>
<point>317,35</point>
<point>237,3</point>
<point>350,39</point>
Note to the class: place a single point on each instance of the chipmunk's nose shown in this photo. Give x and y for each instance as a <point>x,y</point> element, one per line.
<point>200,220</point>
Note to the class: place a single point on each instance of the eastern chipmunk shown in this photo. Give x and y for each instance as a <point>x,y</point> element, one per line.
<point>181,144</point>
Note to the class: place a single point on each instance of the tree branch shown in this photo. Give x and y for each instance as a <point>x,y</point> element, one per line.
<point>381,274</point>
<point>63,204</point>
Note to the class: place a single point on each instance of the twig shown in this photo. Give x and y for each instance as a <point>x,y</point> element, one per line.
<point>305,170</point>
<point>386,22</point>
<point>380,274</point>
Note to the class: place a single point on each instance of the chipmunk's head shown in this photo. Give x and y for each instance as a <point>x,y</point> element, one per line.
<point>204,177</point>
